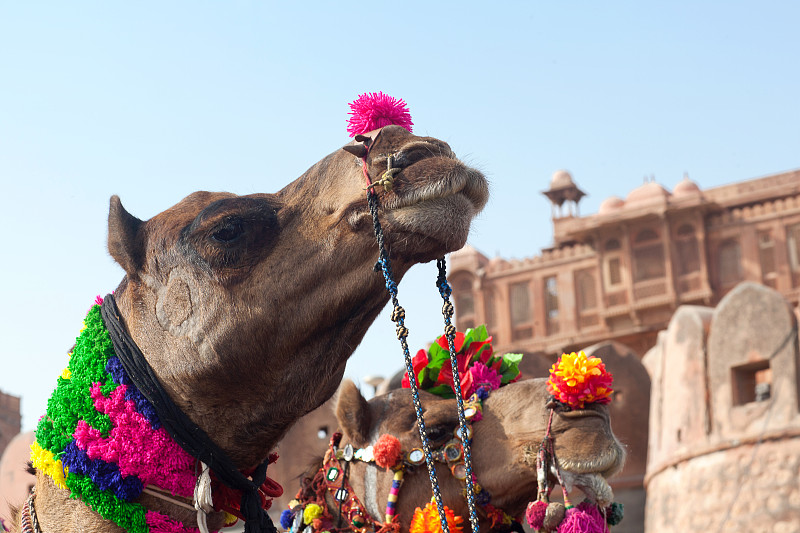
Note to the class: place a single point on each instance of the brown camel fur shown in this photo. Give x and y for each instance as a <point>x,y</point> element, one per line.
<point>504,448</point>
<point>248,307</point>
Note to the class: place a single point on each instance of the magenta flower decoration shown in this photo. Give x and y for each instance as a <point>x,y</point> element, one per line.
<point>371,111</point>
<point>482,376</point>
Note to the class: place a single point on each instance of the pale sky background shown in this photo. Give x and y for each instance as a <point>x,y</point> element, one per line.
<point>154,100</point>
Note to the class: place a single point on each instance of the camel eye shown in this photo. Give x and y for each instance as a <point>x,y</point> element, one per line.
<point>230,231</point>
<point>438,433</point>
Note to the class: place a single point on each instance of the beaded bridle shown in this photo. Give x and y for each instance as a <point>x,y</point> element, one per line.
<point>398,316</point>
<point>331,480</point>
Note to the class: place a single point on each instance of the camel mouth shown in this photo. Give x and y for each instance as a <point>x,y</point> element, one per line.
<point>594,486</point>
<point>606,462</point>
<point>602,455</point>
<point>418,188</point>
<point>584,413</point>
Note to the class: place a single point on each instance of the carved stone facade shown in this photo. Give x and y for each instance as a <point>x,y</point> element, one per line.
<point>619,274</point>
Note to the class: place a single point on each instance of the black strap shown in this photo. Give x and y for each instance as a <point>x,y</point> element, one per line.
<point>186,433</point>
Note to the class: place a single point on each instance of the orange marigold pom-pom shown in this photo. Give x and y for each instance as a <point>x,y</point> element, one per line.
<point>427,520</point>
<point>577,380</point>
<point>386,451</point>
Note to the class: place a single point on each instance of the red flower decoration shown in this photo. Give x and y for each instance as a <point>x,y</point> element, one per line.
<point>446,374</point>
<point>418,362</point>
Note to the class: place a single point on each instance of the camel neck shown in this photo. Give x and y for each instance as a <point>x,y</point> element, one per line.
<point>188,435</point>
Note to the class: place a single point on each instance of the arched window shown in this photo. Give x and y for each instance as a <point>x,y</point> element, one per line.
<point>520,304</point>
<point>688,253</point>
<point>766,258</point>
<point>613,263</point>
<point>551,304</point>
<point>465,302</point>
<point>521,326</point>
<point>646,235</point>
<point>586,294</point>
<point>730,262</point>
<point>648,256</point>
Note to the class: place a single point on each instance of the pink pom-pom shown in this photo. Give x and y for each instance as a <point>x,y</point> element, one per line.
<point>534,514</point>
<point>371,111</point>
<point>386,451</point>
<point>585,518</point>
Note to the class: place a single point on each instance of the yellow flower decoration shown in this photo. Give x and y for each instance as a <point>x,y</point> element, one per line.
<point>427,520</point>
<point>576,380</point>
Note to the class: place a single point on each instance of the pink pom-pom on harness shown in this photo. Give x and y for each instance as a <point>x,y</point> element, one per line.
<point>371,111</point>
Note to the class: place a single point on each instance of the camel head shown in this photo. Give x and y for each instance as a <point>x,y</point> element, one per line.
<point>247,307</point>
<point>504,446</point>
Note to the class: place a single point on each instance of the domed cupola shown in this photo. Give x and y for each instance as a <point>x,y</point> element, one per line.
<point>685,187</point>
<point>563,189</point>
<point>650,192</point>
<point>611,204</point>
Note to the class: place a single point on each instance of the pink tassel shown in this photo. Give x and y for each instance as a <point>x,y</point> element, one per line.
<point>585,518</point>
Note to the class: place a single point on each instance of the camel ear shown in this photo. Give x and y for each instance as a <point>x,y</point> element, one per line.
<point>123,240</point>
<point>352,412</point>
<point>358,150</point>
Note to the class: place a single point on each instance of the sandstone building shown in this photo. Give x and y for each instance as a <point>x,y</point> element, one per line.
<point>10,419</point>
<point>619,274</point>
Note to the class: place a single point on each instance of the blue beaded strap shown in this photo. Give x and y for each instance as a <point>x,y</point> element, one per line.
<point>398,316</point>
<point>450,332</point>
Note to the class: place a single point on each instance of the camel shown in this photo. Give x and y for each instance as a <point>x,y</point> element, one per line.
<point>248,307</point>
<point>504,448</point>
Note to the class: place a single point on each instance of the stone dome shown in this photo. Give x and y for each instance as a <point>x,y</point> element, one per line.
<point>649,192</point>
<point>685,187</point>
<point>561,179</point>
<point>610,204</point>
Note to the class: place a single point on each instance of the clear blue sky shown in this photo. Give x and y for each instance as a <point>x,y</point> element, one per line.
<point>154,100</point>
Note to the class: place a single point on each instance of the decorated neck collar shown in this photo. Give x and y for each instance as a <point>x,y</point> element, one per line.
<point>103,441</point>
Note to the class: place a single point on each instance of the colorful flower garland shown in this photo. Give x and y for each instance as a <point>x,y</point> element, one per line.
<point>102,440</point>
<point>478,367</point>
<point>577,380</point>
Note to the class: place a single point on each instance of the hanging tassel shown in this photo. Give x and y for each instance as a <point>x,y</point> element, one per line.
<point>553,516</point>
<point>534,514</point>
<point>202,497</point>
<point>585,518</point>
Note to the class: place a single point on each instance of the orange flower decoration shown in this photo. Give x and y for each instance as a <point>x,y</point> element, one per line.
<point>577,380</point>
<point>427,520</point>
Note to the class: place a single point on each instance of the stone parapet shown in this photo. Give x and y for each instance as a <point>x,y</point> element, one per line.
<point>724,441</point>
